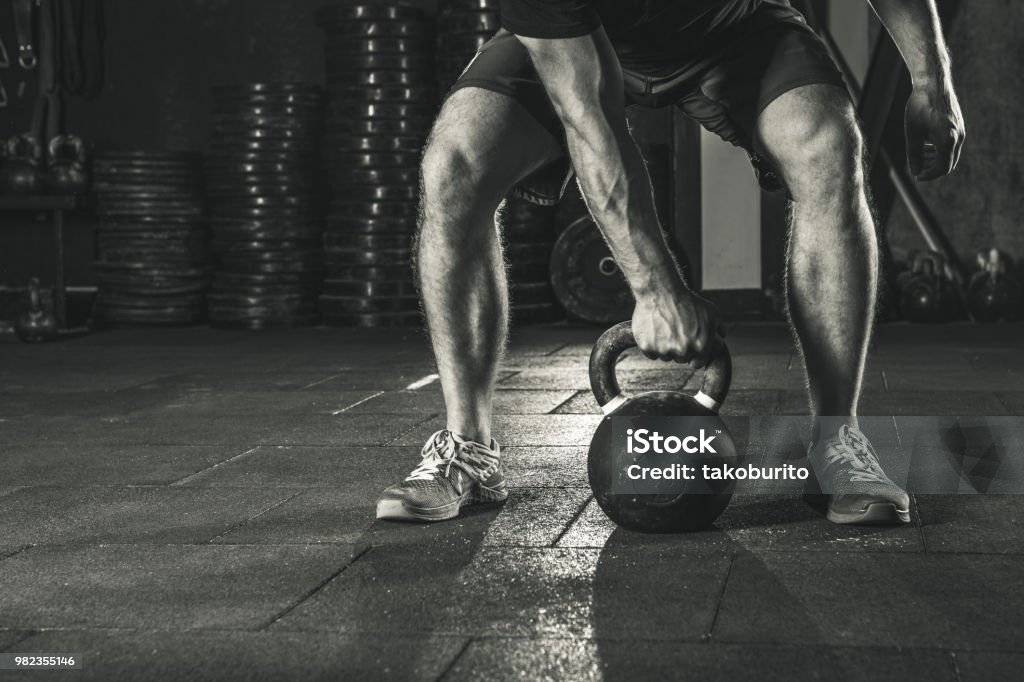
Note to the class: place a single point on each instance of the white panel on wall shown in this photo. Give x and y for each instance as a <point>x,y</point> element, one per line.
<point>730,217</point>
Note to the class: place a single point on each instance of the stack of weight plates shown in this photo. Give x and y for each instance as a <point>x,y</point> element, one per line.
<point>462,27</point>
<point>529,234</point>
<point>266,200</point>
<point>381,105</point>
<point>152,238</point>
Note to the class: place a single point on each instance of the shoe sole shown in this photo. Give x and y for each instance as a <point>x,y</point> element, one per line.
<point>875,514</point>
<point>398,510</point>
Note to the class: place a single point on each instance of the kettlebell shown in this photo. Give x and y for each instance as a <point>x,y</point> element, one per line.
<point>36,324</point>
<point>690,506</point>
<point>20,173</point>
<point>993,294</point>
<point>67,173</point>
<point>926,295</point>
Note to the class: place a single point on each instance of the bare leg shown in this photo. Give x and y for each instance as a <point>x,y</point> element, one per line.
<point>812,135</point>
<point>482,144</point>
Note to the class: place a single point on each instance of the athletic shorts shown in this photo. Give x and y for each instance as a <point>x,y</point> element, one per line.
<point>724,88</point>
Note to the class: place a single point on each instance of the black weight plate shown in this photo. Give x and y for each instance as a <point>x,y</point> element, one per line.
<point>369,242</point>
<point>145,154</point>
<point>466,44</point>
<point>148,176</point>
<point>375,143</point>
<point>225,145</point>
<point>528,252</point>
<point>149,224</point>
<point>258,325</point>
<point>273,268</point>
<point>309,99</point>
<point>144,289</point>
<point>404,319</point>
<point>416,127</point>
<point>237,281</point>
<point>374,209</point>
<point>243,211</point>
<point>585,278</point>
<point>536,314</point>
<point>373,160</point>
<point>376,273</point>
<point>343,305</point>
<point>532,294</point>
<point>340,287</point>
<point>216,300</point>
<point>376,176</point>
<point>369,46</point>
<point>227,191</point>
<point>341,256</point>
<point>382,93</point>
<point>113,300</point>
<point>235,133</point>
<point>239,168</point>
<point>394,110</point>
<point>467,6</point>
<point>265,245</point>
<point>269,307</point>
<point>371,225</point>
<point>333,15</point>
<point>232,89</point>
<point>155,213</point>
<point>142,269</point>
<point>270,232</point>
<point>258,114</point>
<point>378,29</point>
<point>529,272</point>
<point>269,121</point>
<point>288,161</point>
<point>376,62</point>
<point>450,23</point>
<point>380,77</point>
<point>344,192</point>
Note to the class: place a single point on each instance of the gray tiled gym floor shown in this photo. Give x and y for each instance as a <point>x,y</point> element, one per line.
<point>195,504</point>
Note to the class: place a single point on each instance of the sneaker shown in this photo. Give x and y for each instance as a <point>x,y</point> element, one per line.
<point>453,473</point>
<point>859,492</point>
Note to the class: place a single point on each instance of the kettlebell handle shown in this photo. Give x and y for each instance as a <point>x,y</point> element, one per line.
<point>619,339</point>
<point>73,143</point>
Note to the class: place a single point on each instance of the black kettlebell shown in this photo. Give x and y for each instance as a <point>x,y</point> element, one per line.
<point>36,324</point>
<point>993,294</point>
<point>926,295</point>
<point>21,173</point>
<point>67,174</point>
<point>696,506</point>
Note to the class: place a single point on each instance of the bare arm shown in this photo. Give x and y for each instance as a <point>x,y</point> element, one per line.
<point>934,124</point>
<point>584,81</point>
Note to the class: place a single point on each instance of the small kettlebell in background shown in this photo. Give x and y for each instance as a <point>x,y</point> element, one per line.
<point>67,173</point>
<point>36,324</point>
<point>926,294</point>
<point>21,172</point>
<point>993,294</point>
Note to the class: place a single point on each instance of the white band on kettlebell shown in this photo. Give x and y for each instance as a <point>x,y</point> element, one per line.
<point>613,404</point>
<point>707,401</point>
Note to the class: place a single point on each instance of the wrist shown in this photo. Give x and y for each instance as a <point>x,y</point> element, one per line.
<point>661,282</point>
<point>936,76</point>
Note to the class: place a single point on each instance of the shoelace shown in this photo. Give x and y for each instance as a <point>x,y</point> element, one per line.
<point>440,451</point>
<point>854,449</point>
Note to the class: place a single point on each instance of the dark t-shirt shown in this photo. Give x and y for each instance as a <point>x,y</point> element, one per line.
<point>640,30</point>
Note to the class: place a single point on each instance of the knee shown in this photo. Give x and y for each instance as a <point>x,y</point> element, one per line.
<point>454,177</point>
<point>824,160</point>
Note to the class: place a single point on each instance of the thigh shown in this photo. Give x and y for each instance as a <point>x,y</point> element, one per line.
<point>499,108</point>
<point>767,56</point>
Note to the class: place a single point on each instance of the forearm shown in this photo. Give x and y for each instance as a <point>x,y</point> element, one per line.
<point>609,167</point>
<point>915,28</point>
